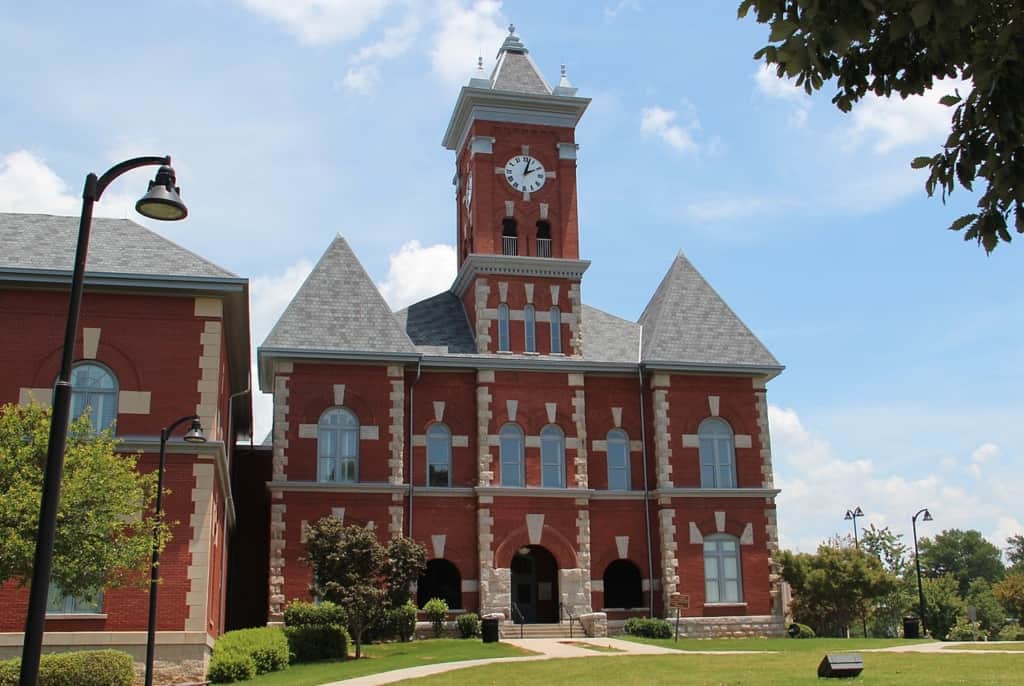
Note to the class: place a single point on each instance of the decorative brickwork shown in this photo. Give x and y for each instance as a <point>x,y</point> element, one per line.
<point>579,418</point>
<point>481,292</point>
<point>396,428</point>
<point>662,443</point>
<point>669,552</point>
<point>280,428</point>
<point>277,562</point>
<point>485,461</point>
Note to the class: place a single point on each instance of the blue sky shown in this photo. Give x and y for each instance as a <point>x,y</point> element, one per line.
<point>290,122</point>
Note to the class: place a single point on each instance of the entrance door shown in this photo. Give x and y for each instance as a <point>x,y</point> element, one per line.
<point>534,585</point>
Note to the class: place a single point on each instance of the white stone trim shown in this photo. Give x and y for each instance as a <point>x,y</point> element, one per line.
<point>714,402</point>
<point>470,586</point>
<point>133,402</point>
<point>528,288</point>
<point>460,441</point>
<point>511,407</point>
<point>209,307</point>
<point>339,394</point>
<point>369,433</point>
<point>278,525</point>
<point>695,535</point>
<point>535,527</point>
<point>575,379</point>
<point>43,396</point>
<point>484,462</point>
<point>662,447</point>
<point>338,513</point>
<point>201,525</point>
<point>309,430</point>
<point>439,406</point>
<point>579,419</point>
<point>719,522</point>
<point>209,375</point>
<point>743,441</point>
<point>669,562</point>
<point>747,537</point>
<point>617,417</point>
<point>691,441</point>
<point>396,430</point>
<point>90,342</point>
<point>622,546</point>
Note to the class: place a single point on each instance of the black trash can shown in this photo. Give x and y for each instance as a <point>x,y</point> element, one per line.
<point>489,629</point>
<point>911,627</point>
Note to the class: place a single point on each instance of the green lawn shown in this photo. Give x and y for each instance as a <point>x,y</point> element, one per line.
<point>789,645</point>
<point>1016,646</point>
<point>790,668</point>
<point>385,657</point>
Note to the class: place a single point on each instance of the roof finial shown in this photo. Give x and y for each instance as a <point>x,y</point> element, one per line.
<point>564,74</point>
<point>480,63</point>
<point>512,29</point>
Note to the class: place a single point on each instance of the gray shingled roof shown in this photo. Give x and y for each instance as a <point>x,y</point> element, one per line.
<point>686,321</point>
<point>516,72</point>
<point>438,325</point>
<point>339,309</point>
<point>607,338</point>
<point>116,246</point>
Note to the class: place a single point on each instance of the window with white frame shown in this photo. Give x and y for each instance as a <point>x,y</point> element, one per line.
<point>722,579</point>
<point>552,457</point>
<point>338,446</point>
<point>59,603</point>
<point>530,327</point>
<point>511,449</point>
<point>439,455</point>
<point>618,460</point>
<point>556,330</point>
<point>94,387</point>
<point>503,342</point>
<point>717,454</point>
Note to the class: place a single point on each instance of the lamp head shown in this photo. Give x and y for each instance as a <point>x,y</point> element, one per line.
<point>927,516</point>
<point>195,433</point>
<point>858,512</point>
<point>163,199</point>
<point>849,515</point>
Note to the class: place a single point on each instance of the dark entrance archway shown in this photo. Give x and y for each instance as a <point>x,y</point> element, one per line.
<point>440,579</point>
<point>535,585</point>
<point>623,585</point>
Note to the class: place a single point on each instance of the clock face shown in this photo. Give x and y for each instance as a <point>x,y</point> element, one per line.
<point>467,197</point>
<point>524,173</point>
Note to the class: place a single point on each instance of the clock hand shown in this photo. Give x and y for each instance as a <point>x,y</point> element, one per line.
<point>527,170</point>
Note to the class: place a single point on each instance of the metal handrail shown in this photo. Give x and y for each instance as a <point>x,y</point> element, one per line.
<point>522,618</point>
<point>563,609</point>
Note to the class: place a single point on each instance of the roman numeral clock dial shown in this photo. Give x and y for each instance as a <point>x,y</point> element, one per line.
<point>525,174</point>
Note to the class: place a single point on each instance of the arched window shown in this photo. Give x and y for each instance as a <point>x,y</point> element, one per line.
<point>623,585</point>
<point>530,326</point>
<point>94,386</point>
<point>556,330</point>
<point>618,461</point>
<point>338,446</point>
<point>439,455</point>
<point>441,579</point>
<point>552,457</point>
<point>511,448</point>
<point>503,342</point>
<point>722,579</point>
<point>717,454</point>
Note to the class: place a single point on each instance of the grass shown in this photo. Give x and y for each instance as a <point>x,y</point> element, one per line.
<point>790,668</point>
<point>789,645</point>
<point>1016,646</point>
<point>385,657</point>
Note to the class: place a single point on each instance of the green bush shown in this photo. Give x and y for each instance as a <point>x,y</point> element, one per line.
<point>648,628</point>
<point>302,613</point>
<point>312,642</point>
<point>265,647</point>
<point>403,621</point>
<point>226,668</point>
<point>802,631</point>
<point>1012,632</point>
<point>469,624</point>
<point>81,668</point>
<point>436,610</point>
<point>966,630</point>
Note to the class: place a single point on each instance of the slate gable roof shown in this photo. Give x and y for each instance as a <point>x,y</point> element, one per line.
<point>438,325</point>
<point>687,322</point>
<point>116,246</point>
<point>515,72</point>
<point>339,309</point>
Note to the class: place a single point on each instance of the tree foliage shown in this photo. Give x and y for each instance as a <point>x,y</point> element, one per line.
<point>966,555</point>
<point>1010,592</point>
<point>902,46</point>
<point>351,568</point>
<point>943,605</point>
<point>989,613</point>
<point>886,614</point>
<point>1015,551</point>
<point>105,521</point>
<point>835,586</point>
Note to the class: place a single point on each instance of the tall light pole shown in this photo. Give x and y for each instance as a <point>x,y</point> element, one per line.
<point>917,561</point>
<point>193,435</point>
<point>162,202</point>
<point>853,514</point>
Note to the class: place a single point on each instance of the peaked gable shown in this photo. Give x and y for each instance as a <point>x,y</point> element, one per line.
<point>687,322</point>
<point>338,310</point>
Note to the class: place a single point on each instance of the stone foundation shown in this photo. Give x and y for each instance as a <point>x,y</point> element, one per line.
<point>574,590</point>
<point>595,624</point>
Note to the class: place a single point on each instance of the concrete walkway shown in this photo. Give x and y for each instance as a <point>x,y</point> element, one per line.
<point>945,647</point>
<point>546,649</point>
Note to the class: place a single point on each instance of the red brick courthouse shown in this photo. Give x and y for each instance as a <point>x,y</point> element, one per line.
<point>554,459</point>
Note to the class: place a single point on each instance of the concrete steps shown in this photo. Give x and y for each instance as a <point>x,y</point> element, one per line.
<point>511,630</point>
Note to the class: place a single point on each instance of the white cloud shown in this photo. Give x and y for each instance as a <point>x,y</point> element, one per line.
<point>360,78</point>
<point>320,21</point>
<point>724,207</point>
<point>27,184</point>
<point>771,86</point>
<point>660,122</point>
<point>364,71</point>
<point>985,452</point>
<point>464,34</point>
<point>612,11</point>
<point>889,123</point>
<point>416,272</point>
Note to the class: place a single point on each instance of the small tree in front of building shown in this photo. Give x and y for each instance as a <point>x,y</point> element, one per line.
<point>105,520</point>
<point>351,568</point>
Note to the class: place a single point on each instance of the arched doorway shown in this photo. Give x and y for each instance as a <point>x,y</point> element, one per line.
<point>623,586</point>
<point>535,585</point>
<point>441,579</point>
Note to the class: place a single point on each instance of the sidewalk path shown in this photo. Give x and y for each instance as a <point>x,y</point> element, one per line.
<point>941,647</point>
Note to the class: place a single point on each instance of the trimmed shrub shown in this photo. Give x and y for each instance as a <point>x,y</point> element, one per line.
<point>227,668</point>
<point>469,624</point>
<point>436,610</point>
<point>312,642</point>
<point>80,668</point>
<point>648,628</point>
<point>302,613</point>
<point>1012,632</point>
<point>798,630</point>
<point>966,630</point>
<point>403,621</point>
<point>266,648</point>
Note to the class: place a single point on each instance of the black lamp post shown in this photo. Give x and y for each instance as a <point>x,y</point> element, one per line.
<point>162,202</point>
<point>917,560</point>
<point>853,514</point>
<point>193,435</point>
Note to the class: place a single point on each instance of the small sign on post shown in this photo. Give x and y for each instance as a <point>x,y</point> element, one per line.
<point>680,602</point>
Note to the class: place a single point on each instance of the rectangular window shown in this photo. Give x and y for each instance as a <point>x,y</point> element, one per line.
<point>556,330</point>
<point>530,326</point>
<point>722,570</point>
<point>503,315</point>
<point>58,603</point>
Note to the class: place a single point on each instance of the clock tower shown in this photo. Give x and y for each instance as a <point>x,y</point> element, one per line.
<point>516,207</point>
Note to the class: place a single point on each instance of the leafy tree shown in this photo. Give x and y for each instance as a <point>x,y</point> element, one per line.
<point>964,554</point>
<point>1010,592</point>
<point>943,604</point>
<point>105,522</point>
<point>834,587</point>
<point>887,612</point>
<point>1015,552</point>
<point>351,568</point>
<point>902,47</point>
<point>988,612</point>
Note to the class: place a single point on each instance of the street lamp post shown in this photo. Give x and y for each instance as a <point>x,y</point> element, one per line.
<point>917,561</point>
<point>163,202</point>
<point>193,435</point>
<point>853,514</point>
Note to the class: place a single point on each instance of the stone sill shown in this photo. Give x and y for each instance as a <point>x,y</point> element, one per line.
<point>76,615</point>
<point>725,604</point>
<point>625,609</point>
